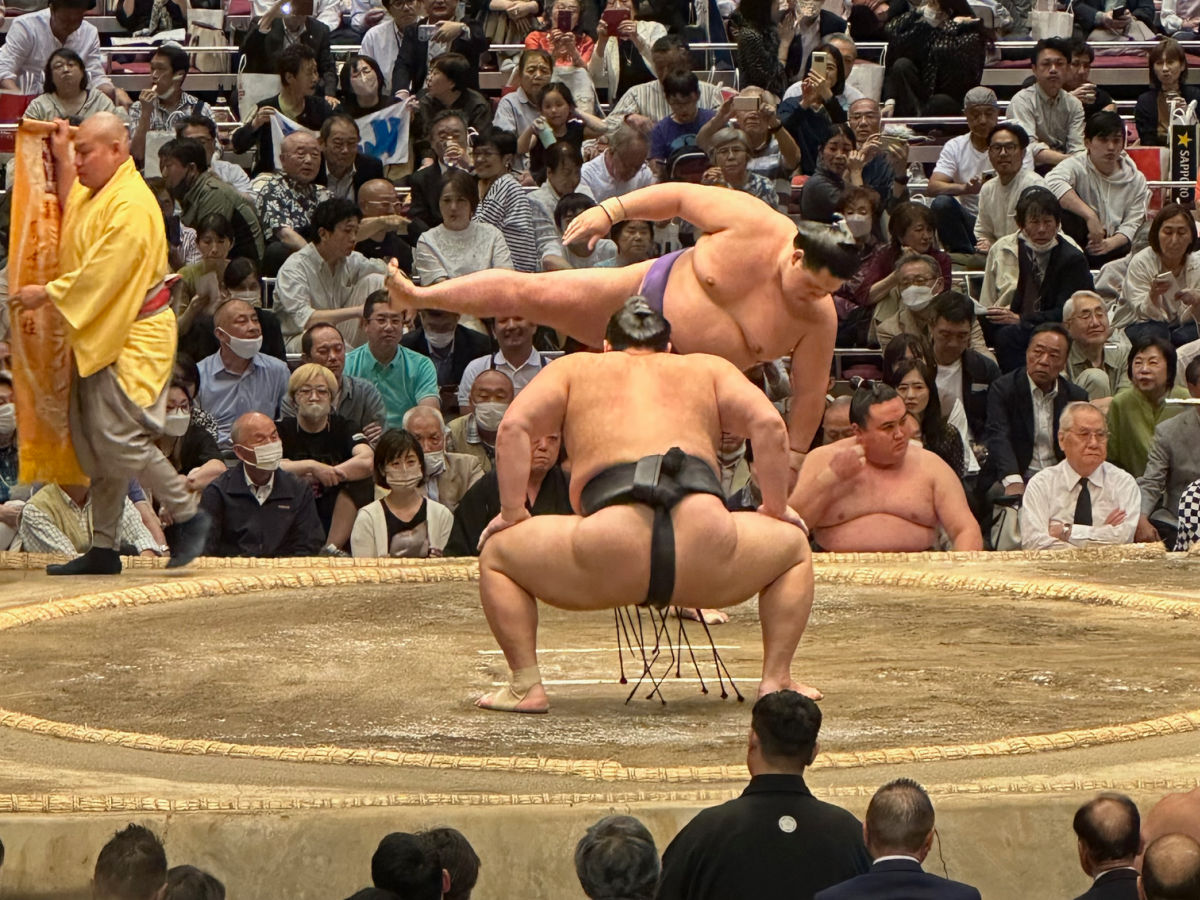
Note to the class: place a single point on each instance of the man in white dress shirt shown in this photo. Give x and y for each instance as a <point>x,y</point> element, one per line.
<point>1083,500</point>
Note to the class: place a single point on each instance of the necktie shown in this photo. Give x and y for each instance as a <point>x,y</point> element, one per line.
<point>1083,506</point>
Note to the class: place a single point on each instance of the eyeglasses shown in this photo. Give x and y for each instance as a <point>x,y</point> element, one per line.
<point>1095,315</point>
<point>1088,434</point>
<point>1004,148</point>
<point>730,152</point>
<point>384,321</point>
<point>313,392</point>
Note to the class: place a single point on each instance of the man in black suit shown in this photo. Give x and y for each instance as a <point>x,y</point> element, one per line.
<point>962,373</point>
<point>1023,409</point>
<point>899,833</point>
<point>383,233</point>
<point>1109,832</point>
<point>776,840</point>
<point>448,138</point>
<point>812,26</point>
<point>450,345</point>
<point>412,61</point>
<point>345,170</point>
<point>269,35</point>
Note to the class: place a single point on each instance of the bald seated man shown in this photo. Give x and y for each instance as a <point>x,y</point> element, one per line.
<point>382,232</point>
<point>642,428</point>
<point>701,290</point>
<point>1173,813</point>
<point>112,253</point>
<point>876,491</point>
<point>1171,869</point>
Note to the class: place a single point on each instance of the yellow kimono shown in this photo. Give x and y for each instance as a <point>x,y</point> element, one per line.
<point>112,251</point>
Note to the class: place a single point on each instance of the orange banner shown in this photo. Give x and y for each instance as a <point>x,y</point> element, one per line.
<point>42,367</point>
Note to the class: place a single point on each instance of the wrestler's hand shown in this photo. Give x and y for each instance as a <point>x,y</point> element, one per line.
<point>788,515</point>
<point>499,523</point>
<point>590,225</point>
<point>31,296</point>
<point>848,463</point>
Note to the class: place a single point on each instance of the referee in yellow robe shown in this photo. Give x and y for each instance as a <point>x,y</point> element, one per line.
<point>113,259</point>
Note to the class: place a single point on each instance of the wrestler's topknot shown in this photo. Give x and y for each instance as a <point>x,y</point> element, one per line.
<point>637,324</point>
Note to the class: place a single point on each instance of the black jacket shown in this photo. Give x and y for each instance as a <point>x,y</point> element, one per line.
<point>774,842</point>
<point>469,344</point>
<point>262,50</point>
<point>978,372</point>
<point>425,213</point>
<point>286,525</point>
<point>1115,884</point>
<point>1010,426</point>
<point>412,62</point>
<point>797,63</point>
<point>481,503</point>
<point>1067,271</point>
<point>899,879</point>
<point>366,168</point>
<point>316,111</point>
<point>1145,113</point>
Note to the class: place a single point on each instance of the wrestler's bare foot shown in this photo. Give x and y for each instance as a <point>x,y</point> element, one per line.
<point>400,288</point>
<point>769,687</point>
<point>710,616</point>
<point>505,699</point>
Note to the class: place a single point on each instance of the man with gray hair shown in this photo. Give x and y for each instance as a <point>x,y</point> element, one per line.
<point>899,833</point>
<point>448,475</point>
<point>617,860</point>
<point>1083,500</point>
<point>619,169</point>
<point>1094,363</point>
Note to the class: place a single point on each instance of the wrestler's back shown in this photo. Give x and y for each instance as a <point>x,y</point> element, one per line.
<point>889,509</point>
<point>624,406</point>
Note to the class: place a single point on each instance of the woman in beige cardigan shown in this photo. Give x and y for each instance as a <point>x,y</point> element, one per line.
<point>404,522</point>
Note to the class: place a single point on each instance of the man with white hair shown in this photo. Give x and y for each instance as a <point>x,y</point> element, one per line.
<point>1095,363</point>
<point>113,260</point>
<point>1083,500</point>
<point>619,169</point>
<point>447,475</point>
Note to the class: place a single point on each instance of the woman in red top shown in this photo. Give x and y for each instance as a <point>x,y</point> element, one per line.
<point>568,45</point>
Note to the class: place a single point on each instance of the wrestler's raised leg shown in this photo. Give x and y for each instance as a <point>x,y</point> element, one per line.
<point>577,302</point>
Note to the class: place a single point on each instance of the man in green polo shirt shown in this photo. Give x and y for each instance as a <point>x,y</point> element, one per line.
<point>404,377</point>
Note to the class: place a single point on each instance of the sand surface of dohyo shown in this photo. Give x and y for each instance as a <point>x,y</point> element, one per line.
<point>397,666</point>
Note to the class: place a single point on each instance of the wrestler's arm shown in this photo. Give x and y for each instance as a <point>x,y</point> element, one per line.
<point>827,472</point>
<point>710,209</point>
<point>950,506</point>
<point>744,409</point>
<point>537,411</point>
<point>811,358</point>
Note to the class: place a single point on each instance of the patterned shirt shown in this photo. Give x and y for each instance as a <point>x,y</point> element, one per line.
<point>41,534</point>
<point>162,119</point>
<point>762,188</point>
<point>286,203</point>
<point>8,470</point>
<point>507,207</point>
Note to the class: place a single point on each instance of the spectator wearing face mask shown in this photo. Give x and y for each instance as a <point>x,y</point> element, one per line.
<point>258,509</point>
<point>187,445</point>
<point>405,523</point>
<point>450,345</point>
<point>447,475</point>
<point>239,378</point>
<point>475,433</point>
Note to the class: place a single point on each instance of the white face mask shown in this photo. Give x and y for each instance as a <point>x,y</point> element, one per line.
<point>488,415</point>
<point>932,14</point>
<point>439,339</point>
<point>267,456</point>
<point>177,423</point>
<point>1039,248</point>
<point>859,225</point>
<point>916,296</point>
<point>312,410</point>
<point>8,419</point>
<point>435,462</point>
<point>245,348</point>
<point>402,478</point>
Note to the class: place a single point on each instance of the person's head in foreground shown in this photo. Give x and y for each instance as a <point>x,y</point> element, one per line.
<point>783,733</point>
<point>899,821</point>
<point>877,417</point>
<point>402,865</point>
<point>1171,869</point>
<point>1108,827</point>
<point>617,860</point>
<point>190,883</point>
<point>131,866</point>
<point>635,326</point>
<point>453,853</point>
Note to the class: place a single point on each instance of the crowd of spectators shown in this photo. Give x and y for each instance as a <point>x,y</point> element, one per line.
<point>1028,269</point>
<point>776,840</point>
